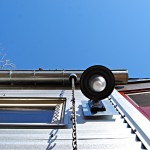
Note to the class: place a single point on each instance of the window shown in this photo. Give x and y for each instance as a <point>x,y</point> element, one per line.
<point>26,115</point>
<point>28,112</point>
<point>141,99</point>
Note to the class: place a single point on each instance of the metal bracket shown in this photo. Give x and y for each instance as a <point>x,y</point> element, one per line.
<point>96,106</point>
<point>104,104</point>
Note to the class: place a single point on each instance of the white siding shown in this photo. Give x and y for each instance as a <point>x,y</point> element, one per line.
<point>91,133</point>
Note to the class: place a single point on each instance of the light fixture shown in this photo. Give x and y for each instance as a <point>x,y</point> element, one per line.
<point>97,83</point>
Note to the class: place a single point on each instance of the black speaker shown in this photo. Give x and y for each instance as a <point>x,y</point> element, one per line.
<point>97,82</point>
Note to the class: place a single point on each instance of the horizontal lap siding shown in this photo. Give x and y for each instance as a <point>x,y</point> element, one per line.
<point>92,134</point>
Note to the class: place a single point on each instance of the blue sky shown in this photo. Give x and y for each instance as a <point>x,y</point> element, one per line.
<point>75,34</point>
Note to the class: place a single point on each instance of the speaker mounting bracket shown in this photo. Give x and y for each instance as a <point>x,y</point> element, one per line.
<point>96,106</point>
<point>109,109</point>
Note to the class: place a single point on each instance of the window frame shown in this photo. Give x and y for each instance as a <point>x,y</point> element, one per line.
<point>32,102</point>
<point>126,94</point>
<point>137,93</point>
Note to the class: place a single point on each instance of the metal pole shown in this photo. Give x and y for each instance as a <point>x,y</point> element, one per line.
<point>52,77</point>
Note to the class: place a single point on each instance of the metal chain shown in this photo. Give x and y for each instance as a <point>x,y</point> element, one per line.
<point>74,132</point>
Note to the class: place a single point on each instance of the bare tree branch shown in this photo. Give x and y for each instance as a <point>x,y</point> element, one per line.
<point>5,64</point>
